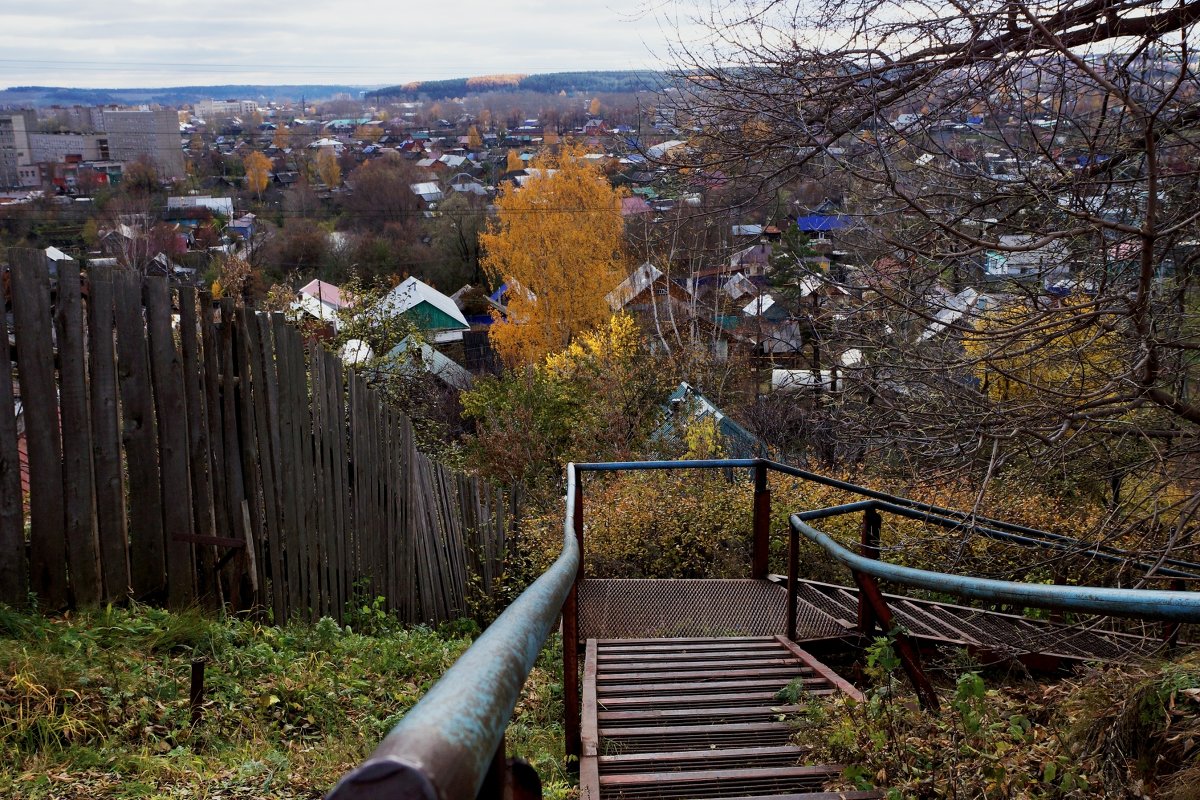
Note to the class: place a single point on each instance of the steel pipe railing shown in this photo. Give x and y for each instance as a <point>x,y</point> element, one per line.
<point>444,746</point>
<point>1155,604</point>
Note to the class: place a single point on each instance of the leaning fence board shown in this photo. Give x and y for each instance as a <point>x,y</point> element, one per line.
<point>108,475</point>
<point>14,570</point>
<point>83,557</point>
<point>252,502</point>
<point>316,451</point>
<point>167,376</point>
<point>261,371</point>
<point>199,452</point>
<point>337,440</point>
<point>35,361</point>
<point>146,553</point>
<point>212,403</point>
<point>235,491</point>
<point>287,467</point>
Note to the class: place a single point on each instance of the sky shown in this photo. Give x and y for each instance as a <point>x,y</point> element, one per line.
<point>154,43</point>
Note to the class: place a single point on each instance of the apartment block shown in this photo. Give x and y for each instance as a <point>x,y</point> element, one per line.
<point>16,157</point>
<point>133,134</point>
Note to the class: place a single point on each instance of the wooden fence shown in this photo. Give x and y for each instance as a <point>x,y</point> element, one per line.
<point>190,452</point>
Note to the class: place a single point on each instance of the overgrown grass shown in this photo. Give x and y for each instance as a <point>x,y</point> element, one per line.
<point>96,704</point>
<point>1111,732</point>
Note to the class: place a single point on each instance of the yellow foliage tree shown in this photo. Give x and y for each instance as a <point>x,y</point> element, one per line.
<point>594,107</point>
<point>280,137</point>
<point>1063,355</point>
<point>258,172</point>
<point>368,133</point>
<point>328,169</point>
<point>474,140</point>
<point>557,243</point>
<point>513,162</point>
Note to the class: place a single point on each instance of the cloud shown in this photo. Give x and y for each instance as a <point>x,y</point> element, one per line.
<point>141,43</point>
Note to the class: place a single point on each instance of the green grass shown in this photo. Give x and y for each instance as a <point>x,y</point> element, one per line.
<point>96,704</point>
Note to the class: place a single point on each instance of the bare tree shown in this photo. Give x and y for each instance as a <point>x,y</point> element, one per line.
<point>1023,182</point>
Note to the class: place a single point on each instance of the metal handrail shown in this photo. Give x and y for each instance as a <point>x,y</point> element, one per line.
<point>445,745</point>
<point>1062,544</point>
<point>450,744</point>
<point>1169,606</point>
<point>992,528</point>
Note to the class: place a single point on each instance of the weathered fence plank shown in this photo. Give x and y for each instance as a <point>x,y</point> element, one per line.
<point>14,567</point>
<point>167,376</point>
<point>35,362</point>
<point>147,558</point>
<point>83,557</point>
<point>108,476</point>
<point>199,451</point>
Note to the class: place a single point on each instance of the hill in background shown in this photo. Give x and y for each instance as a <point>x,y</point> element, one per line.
<point>170,96</point>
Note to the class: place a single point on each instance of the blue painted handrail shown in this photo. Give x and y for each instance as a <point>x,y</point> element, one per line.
<point>443,746</point>
<point>1140,603</point>
<point>985,526</point>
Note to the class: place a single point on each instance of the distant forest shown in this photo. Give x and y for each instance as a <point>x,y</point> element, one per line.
<point>548,83</point>
<point>169,96</point>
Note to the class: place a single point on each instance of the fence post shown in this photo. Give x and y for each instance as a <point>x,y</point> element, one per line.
<point>570,628</point>
<point>868,548</point>
<point>762,521</point>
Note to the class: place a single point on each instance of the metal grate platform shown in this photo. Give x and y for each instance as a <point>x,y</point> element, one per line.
<point>623,608</point>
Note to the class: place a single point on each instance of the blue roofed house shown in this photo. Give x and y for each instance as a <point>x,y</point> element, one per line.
<point>433,312</point>
<point>686,406</point>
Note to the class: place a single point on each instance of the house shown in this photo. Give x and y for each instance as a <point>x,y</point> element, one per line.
<point>817,225</point>
<point>321,301</point>
<point>643,288</point>
<point>222,206</point>
<point>1017,258</point>
<point>412,356</point>
<point>243,226</point>
<point>952,309</point>
<point>687,406</point>
<point>433,312</point>
<point>429,191</point>
<point>633,206</point>
<point>765,307</point>
<point>53,257</point>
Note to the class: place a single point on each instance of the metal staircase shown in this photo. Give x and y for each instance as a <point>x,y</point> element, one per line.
<point>681,679</point>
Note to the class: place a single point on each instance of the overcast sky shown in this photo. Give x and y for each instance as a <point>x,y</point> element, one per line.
<point>150,43</point>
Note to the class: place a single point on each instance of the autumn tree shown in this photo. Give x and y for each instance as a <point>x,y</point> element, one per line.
<point>514,162</point>
<point>594,107</point>
<point>281,138</point>
<point>557,244</point>
<point>328,168</point>
<point>258,172</point>
<point>474,140</point>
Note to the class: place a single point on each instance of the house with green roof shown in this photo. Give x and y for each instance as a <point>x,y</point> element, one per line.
<point>437,316</point>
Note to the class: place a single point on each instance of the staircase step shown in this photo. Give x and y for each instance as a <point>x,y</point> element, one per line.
<point>717,782</point>
<point>762,698</point>
<point>704,688</point>
<point>785,755</point>
<point>649,738</point>
<point>612,720</point>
